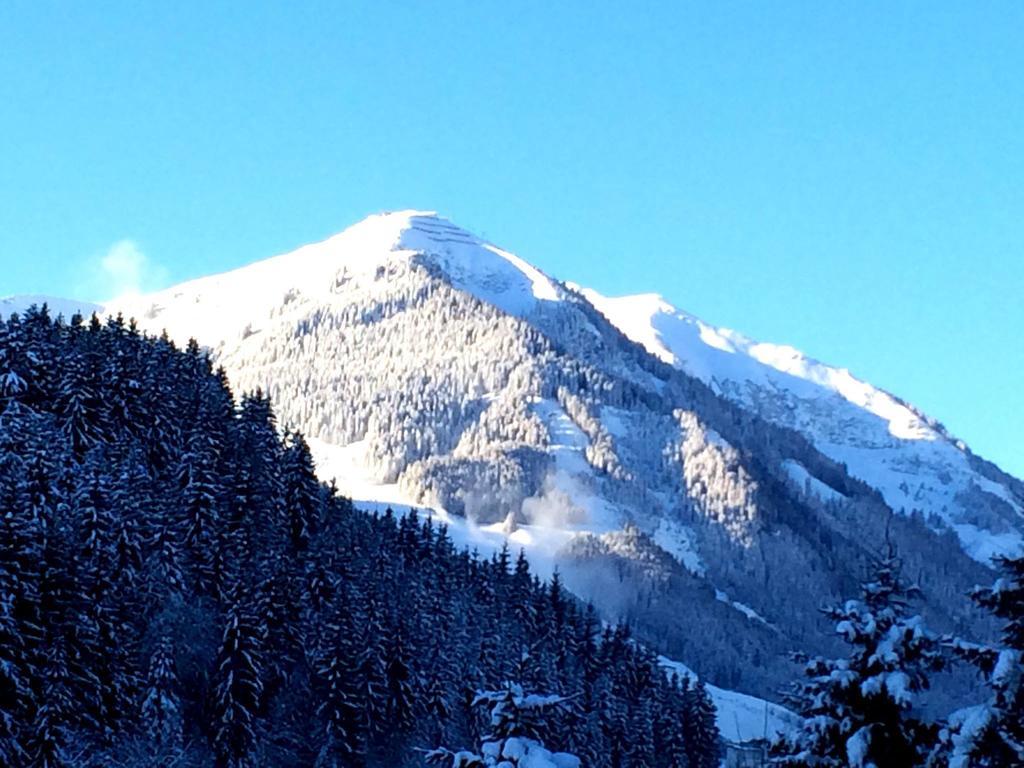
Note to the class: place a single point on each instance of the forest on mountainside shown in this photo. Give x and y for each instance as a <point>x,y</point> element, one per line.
<point>177,588</point>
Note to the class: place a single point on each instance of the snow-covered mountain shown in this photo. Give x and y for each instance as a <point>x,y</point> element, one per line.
<point>909,458</point>
<point>714,489</point>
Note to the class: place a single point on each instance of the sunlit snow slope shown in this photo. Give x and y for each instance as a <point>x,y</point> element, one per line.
<point>909,458</point>
<point>220,308</point>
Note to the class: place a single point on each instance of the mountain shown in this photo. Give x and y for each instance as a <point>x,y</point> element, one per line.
<point>882,440</point>
<point>714,490</point>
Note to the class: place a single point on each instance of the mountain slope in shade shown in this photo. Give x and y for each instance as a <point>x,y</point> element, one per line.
<point>673,474</point>
<point>911,459</point>
<point>10,305</point>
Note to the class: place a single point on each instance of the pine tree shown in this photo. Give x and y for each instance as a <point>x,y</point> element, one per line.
<point>670,726</point>
<point>401,688</point>
<point>516,722</point>
<point>53,720</point>
<point>372,669</point>
<point>201,505</point>
<point>700,731</point>
<point>161,708</point>
<point>857,711</point>
<point>78,405</point>
<point>993,733</point>
<point>340,706</point>
<point>239,688</point>
<point>301,490</point>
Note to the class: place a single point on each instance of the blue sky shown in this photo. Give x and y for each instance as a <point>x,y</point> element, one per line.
<point>846,178</point>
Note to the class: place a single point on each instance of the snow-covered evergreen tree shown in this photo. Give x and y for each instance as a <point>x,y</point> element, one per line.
<point>516,723</point>
<point>340,706</point>
<point>161,705</point>
<point>699,729</point>
<point>858,711</point>
<point>239,688</point>
<point>991,734</point>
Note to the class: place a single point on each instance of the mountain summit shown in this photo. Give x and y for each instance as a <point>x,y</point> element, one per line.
<point>678,473</point>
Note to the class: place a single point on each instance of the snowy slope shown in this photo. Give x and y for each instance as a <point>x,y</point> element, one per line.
<point>740,718</point>
<point>882,440</point>
<point>57,306</point>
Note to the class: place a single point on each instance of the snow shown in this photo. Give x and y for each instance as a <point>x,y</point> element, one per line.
<point>348,468</point>
<point>57,306</point>
<point>1007,665</point>
<point>346,465</point>
<point>746,610</point>
<point>857,748</point>
<point>572,480</point>
<point>526,753</point>
<point>965,727</point>
<point>740,717</point>
<point>882,440</point>
<point>720,354</point>
<point>983,545</point>
<point>806,481</point>
<point>680,542</point>
<point>488,272</point>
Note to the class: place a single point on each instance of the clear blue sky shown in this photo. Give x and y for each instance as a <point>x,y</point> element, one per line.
<point>844,177</point>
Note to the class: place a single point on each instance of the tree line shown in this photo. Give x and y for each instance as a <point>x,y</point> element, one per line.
<point>177,588</point>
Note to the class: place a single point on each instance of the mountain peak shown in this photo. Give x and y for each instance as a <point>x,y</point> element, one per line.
<point>406,230</point>
<point>220,307</point>
<point>467,261</point>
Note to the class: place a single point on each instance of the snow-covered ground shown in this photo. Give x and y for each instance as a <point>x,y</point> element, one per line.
<point>805,480</point>
<point>740,717</point>
<point>347,467</point>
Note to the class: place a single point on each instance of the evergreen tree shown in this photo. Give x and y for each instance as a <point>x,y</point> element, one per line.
<point>401,689</point>
<point>670,726</point>
<point>340,706</point>
<point>699,730</point>
<point>992,734</point>
<point>857,711</point>
<point>239,688</point>
<point>161,708</point>
<point>516,722</point>
<point>53,719</point>
<point>301,490</point>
